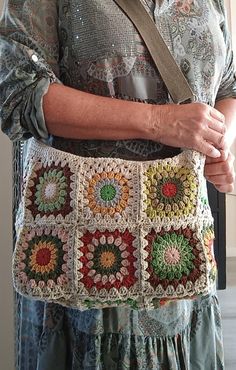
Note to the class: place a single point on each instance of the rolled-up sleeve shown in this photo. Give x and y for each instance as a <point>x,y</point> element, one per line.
<point>227,87</point>
<point>28,65</point>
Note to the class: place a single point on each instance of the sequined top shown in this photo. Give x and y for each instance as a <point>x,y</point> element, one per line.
<point>92,46</point>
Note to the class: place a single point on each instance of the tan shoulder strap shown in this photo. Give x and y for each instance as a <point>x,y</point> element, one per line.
<point>175,81</point>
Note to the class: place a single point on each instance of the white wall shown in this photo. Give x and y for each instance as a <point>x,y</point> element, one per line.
<point>231,198</point>
<point>6,293</point>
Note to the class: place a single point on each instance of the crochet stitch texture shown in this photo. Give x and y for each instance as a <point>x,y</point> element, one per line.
<point>110,232</point>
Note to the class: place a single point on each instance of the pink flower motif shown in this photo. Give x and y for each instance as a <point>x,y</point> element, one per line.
<point>23,277</point>
<point>62,280</point>
<point>32,283</point>
<point>50,284</point>
<point>22,255</point>
<point>41,284</point>
<point>21,266</point>
<point>65,268</point>
<point>172,256</point>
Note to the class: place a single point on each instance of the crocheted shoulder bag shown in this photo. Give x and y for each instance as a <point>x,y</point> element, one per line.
<point>104,232</point>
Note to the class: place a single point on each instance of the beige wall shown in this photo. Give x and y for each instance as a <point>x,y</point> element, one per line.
<point>231,198</point>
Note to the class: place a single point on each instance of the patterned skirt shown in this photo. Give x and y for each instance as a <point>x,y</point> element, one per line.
<point>184,335</point>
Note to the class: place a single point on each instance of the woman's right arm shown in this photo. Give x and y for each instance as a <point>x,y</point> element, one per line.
<point>71,113</point>
<point>33,102</point>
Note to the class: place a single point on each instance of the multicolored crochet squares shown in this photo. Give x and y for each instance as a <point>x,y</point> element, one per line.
<point>173,258</point>
<point>109,232</point>
<point>50,191</point>
<point>109,192</point>
<point>108,260</point>
<point>42,260</point>
<point>171,191</point>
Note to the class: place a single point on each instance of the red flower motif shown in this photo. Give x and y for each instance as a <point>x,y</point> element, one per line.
<point>169,190</point>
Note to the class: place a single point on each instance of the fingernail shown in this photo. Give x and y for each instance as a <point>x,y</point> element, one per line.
<point>216,153</point>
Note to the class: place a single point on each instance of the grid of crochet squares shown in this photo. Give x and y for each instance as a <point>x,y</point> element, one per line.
<point>87,238</point>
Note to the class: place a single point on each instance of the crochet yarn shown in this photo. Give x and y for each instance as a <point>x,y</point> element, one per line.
<point>102,232</point>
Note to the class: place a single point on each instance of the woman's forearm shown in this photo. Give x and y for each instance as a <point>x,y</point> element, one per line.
<point>74,114</point>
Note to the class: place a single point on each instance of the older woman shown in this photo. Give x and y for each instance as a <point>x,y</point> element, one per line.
<point>61,63</point>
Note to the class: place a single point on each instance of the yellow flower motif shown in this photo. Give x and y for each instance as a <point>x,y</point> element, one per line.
<point>170,191</point>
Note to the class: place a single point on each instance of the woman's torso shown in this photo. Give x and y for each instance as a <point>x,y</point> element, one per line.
<point>102,53</point>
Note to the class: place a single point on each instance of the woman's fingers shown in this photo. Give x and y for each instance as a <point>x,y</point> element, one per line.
<point>217,115</point>
<point>221,179</point>
<point>221,167</point>
<point>211,130</point>
<point>217,125</point>
<point>207,149</point>
<point>223,157</point>
<point>228,188</point>
<point>217,139</point>
<point>221,174</point>
<point>196,126</point>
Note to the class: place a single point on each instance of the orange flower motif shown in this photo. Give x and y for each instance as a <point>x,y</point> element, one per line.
<point>107,259</point>
<point>107,193</point>
<point>43,258</point>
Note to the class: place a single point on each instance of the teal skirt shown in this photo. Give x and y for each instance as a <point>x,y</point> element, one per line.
<point>177,336</point>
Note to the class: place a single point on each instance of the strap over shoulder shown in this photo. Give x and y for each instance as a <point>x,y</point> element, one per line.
<point>175,81</point>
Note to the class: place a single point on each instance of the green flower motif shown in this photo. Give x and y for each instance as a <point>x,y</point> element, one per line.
<point>51,191</point>
<point>172,256</point>
<point>108,193</point>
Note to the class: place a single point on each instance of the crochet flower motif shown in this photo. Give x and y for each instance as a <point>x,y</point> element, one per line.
<point>50,191</point>
<point>42,258</point>
<point>107,193</point>
<point>170,191</point>
<point>173,257</point>
<point>108,260</point>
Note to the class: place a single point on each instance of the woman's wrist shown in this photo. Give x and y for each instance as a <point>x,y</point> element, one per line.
<point>153,128</point>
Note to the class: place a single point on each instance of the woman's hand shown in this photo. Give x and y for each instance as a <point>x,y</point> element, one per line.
<point>220,172</point>
<point>197,126</point>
